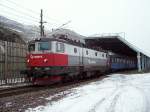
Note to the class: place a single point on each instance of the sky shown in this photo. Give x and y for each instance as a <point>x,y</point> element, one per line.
<point>88,17</point>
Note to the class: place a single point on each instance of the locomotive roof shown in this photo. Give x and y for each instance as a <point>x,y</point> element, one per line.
<point>45,39</point>
<point>68,41</point>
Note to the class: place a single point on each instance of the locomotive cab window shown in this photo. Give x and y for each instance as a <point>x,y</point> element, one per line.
<point>75,50</point>
<point>43,46</point>
<point>31,47</point>
<point>60,47</point>
<point>86,52</point>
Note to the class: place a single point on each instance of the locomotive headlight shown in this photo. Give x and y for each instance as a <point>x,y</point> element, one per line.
<point>28,60</point>
<point>45,60</point>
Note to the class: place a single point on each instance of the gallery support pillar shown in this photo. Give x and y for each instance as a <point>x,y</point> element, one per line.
<point>139,61</point>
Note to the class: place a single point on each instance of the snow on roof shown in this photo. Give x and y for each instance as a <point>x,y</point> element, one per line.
<point>105,35</point>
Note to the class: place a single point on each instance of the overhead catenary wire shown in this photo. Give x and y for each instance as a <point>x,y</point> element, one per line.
<point>21,6</point>
<point>24,15</point>
<point>26,19</point>
<point>20,12</point>
<point>16,17</point>
<point>33,12</point>
<point>20,18</point>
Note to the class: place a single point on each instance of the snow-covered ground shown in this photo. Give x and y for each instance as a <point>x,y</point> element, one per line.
<point>117,93</point>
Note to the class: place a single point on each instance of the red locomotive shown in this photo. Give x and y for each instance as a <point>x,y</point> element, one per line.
<point>57,58</point>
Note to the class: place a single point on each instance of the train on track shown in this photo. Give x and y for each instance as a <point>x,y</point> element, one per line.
<point>52,60</point>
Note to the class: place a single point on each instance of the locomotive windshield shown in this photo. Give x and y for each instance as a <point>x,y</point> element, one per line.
<point>31,47</point>
<point>44,46</point>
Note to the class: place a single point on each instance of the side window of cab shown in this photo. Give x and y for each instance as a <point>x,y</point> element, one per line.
<point>60,47</point>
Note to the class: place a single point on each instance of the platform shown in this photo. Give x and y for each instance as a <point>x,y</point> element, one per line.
<point>117,44</point>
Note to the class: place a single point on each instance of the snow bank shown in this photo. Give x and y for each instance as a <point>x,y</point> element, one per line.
<point>118,93</point>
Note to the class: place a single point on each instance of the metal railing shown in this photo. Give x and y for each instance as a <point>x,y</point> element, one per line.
<point>12,61</point>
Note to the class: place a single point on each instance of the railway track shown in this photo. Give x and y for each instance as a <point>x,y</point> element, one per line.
<point>15,91</point>
<point>26,89</point>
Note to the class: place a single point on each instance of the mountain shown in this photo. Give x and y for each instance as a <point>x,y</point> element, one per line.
<point>29,32</point>
<point>26,31</point>
<point>11,24</point>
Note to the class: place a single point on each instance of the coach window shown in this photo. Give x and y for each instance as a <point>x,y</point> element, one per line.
<point>112,60</point>
<point>102,55</point>
<point>105,55</point>
<point>31,47</point>
<point>86,52</point>
<point>124,61</point>
<point>75,50</point>
<point>118,60</point>
<point>95,53</point>
<point>60,47</point>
